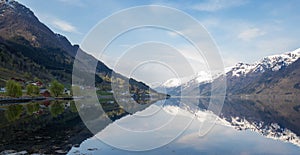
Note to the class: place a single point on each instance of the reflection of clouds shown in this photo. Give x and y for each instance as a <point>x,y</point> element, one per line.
<point>202,142</point>
<point>222,139</point>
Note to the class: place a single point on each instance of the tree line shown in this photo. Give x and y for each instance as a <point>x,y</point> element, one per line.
<point>14,89</point>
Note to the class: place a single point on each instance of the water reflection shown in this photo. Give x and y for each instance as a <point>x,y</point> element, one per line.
<point>53,127</point>
<point>32,108</point>
<point>56,108</point>
<point>246,126</point>
<point>265,111</point>
<point>249,125</point>
<point>13,112</point>
<point>73,107</point>
<point>41,127</point>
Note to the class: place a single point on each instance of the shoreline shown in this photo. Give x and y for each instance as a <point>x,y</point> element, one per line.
<point>12,100</point>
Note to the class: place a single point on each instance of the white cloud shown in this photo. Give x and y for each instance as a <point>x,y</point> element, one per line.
<point>79,3</point>
<point>56,23</point>
<point>63,25</point>
<point>250,34</point>
<point>173,34</point>
<point>215,5</point>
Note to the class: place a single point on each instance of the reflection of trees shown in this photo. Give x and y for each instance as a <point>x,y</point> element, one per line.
<point>13,112</point>
<point>32,107</point>
<point>56,108</point>
<point>73,107</point>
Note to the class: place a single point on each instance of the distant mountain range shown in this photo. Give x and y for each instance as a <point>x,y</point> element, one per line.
<point>272,75</point>
<point>29,49</point>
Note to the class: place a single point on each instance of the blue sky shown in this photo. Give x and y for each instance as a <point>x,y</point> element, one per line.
<point>244,30</point>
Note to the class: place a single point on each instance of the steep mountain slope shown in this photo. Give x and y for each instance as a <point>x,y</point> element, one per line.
<point>19,24</point>
<point>29,49</point>
<point>273,75</point>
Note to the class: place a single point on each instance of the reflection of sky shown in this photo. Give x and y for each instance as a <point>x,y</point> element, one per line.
<point>222,139</point>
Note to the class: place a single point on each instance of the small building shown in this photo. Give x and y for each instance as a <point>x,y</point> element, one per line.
<point>45,92</point>
<point>38,83</point>
<point>67,91</point>
<point>2,90</point>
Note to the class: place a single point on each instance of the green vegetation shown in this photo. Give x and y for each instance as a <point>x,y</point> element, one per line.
<point>32,90</point>
<point>56,88</point>
<point>73,107</point>
<point>56,109</point>
<point>36,90</point>
<point>13,112</point>
<point>32,107</point>
<point>21,58</point>
<point>29,89</point>
<point>13,89</point>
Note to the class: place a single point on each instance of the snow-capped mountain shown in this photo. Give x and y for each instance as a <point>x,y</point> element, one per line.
<point>273,63</point>
<point>276,74</point>
<point>200,77</point>
<point>261,77</point>
<point>174,82</point>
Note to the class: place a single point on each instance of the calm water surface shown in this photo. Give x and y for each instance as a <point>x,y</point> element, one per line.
<point>256,126</point>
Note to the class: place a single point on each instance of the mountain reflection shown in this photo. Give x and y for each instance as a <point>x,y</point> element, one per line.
<point>245,124</point>
<point>275,117</point>
<point>58,122</point>
<point>36,126</point>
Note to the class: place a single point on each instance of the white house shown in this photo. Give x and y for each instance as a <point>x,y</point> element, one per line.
<point>2,90</point>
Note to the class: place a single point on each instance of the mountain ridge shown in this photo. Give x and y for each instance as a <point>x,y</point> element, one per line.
<point>29,49</point>
<point>247,79</point>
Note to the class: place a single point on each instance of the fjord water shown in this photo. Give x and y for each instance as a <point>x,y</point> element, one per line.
<point>41,127</point>
<point>49,127</point>
<point>245,126</point>
<point>257,126</point>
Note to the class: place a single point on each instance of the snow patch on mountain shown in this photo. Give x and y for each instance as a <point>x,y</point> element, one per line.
<point>273,63</point>
<point>241,69</point>
<point>174,82</point>
<point>200,77</point>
